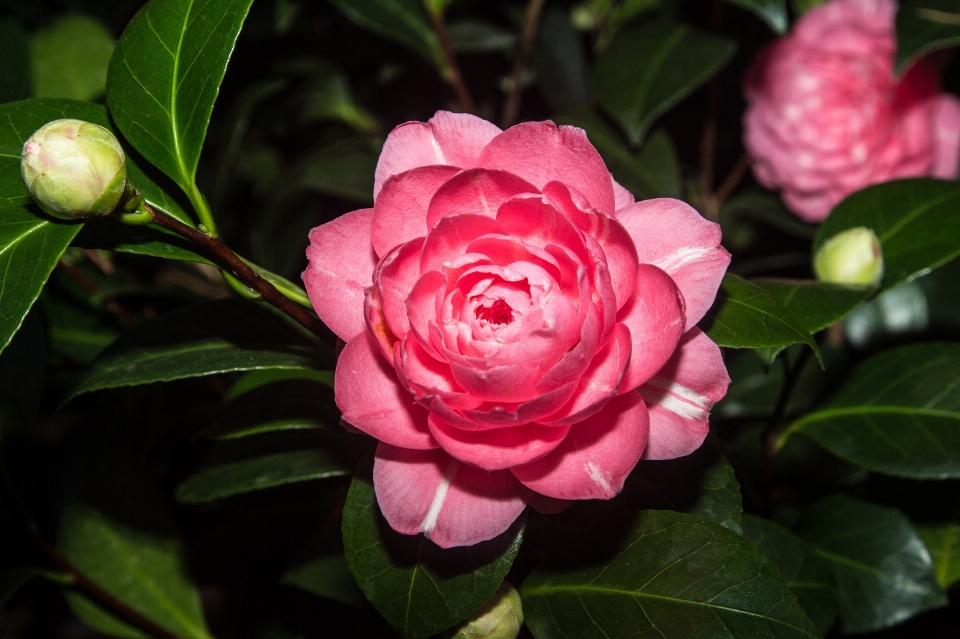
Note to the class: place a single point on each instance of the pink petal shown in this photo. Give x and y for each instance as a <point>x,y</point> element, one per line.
<point>498,448</point>
<point>450,502</point>
<point>377,323</point>
<point>372,399</point>
<point>341,264</point>
<point>455,139</point>
<point>946,135</point>
<point>671,235</point>
<point>396,276</point>
<point>449,239</point>
<point>655,318</point>
<point>540,152</point>
<point>478,192</point>
<point>422,305</point>
<point>622,197</point>
<point>400,213</point>
<point>596,456</point>
<point>600,382</point>
<point>680,395</point>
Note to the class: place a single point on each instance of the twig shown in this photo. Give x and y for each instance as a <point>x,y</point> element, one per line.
<point>451,68</point>
<point>231,262</point>
<point>118,607</point>
<point>768,441</point>
<point>731,181</point>
<point>531,22</point>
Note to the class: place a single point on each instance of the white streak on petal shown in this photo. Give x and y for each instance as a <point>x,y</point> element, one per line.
<point>430,521</point>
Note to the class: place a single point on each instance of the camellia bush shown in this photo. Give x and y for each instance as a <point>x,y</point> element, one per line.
<point>480,319</point>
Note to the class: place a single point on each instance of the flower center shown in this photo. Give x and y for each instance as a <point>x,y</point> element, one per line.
<point>497,313</point>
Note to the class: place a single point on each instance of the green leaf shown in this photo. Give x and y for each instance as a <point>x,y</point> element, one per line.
<point>164,78</point>
<point>342,169</point>
<point>648,69</point>
<point>816,304</point>
<point>403,21</point>
<point>204,339</point>
<point>773,12</point>
<point>654,171</point>
<point>69,58</point>
<point>915,220</point>
<point>30,242</point>
<point>559,62</point>
<point>328,577</point>
<point>139,240</point>
<point>746,316</point>
<point>417,586</point>
<point>924,26</point>
<point>943,542</point>
<point>896,413</point>
<point>257,473</point>
<point>13,579</point>
<point>674,576</point>
<point>14,61</point>
<point>290,404</point>
<point>882,568</point>
<point>479,36</point>
<point>117,531</point>
<point>807,575</point>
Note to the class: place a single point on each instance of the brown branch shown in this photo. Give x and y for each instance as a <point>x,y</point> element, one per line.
<point>531,22</point>
<point>731,181</point>
<point>95,592</point>
<point>221,254</point>
<point>451,68</point>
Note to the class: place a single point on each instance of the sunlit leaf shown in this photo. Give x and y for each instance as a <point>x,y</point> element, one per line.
<point>924,26</point>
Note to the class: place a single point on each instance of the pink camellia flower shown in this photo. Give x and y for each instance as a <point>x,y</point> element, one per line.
<point>518,329</point>
<point>827,117</point>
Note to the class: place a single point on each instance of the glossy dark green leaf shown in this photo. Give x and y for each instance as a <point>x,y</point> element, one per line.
<point>479,36</point>
<point>14,61</point>
<point>257,473</point>
<point>117,531</point>
<point>290,404</point>
<point>896,413</point>
<point>924,26</point>
<point>257,379</point>
<point>882,568</point>
<point>746,316</point>
<point>943,542</point>
<point>806,574</point>
<point>915,220</point>
<point>13,579</point>
<point>164,78</point>
<point>648,69</point>
<point>204,339</point>
<point>816,304</point>
<point>773,12</point>
<point>675,576</point>
<point>403,21</point>
<point>328,577</point>
<point>69,58</point>
<point>342,169</point>
<point>417,586</point>
<point>140,240</point>
<point>654,171</point>
<point>559,62</point>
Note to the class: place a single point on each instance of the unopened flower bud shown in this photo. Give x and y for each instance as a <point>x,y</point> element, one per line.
<point>499,618</point>
<point>74,169</point>
<point>851,257</point>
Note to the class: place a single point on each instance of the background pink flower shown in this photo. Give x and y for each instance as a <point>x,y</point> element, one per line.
<point>826,116</point>
<point>518,329</point>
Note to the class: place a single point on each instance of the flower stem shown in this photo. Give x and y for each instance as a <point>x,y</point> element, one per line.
<point>531,22</point>
<point>451,70</point>
<point>233,264</point>
<point>203,211</point>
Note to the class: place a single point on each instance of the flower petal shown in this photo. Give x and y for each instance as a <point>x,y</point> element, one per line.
<point>946,136</point>
<point>341,264</point>
<point>450,237</point>
<point>654,316</point>
<point>400,213</point>
<point>478,191</point>
<point>596,456</point>
<point>450,502</point>
<point>498,448</point>
<point>680,395</point>
<point>540,152</point>
<point>671,235</point>
<point>396,276</point>
<point>455,139</point>
<point>622,197</point>
<point>372,399</point>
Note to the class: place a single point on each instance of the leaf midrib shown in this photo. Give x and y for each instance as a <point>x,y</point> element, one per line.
<point>541,590</point>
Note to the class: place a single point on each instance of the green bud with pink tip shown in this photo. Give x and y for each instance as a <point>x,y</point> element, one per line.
<point>499,618</point>
<point>74,169</point>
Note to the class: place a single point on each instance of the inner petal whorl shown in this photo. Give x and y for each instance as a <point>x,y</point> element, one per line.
<point>497,313</point>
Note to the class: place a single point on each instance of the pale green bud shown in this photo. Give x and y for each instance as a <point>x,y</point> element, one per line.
<point>853,256</point>
<point>74,169</point>
<point>499,618</point>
